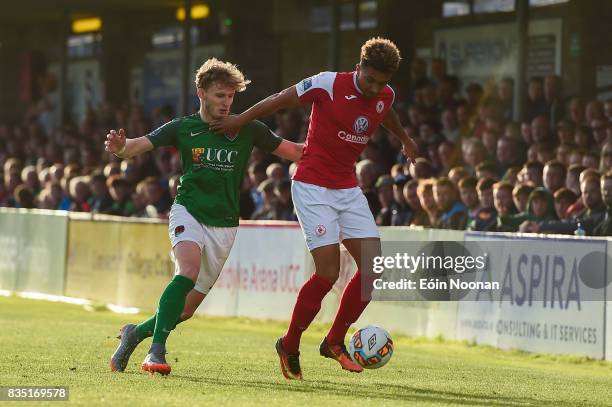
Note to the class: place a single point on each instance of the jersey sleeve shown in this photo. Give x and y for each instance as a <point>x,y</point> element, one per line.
<point>166,135</point>
<point>263,137</point>
<point>317,88</point>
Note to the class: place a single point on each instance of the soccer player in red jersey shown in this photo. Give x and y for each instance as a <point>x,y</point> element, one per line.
<point>346,109</point>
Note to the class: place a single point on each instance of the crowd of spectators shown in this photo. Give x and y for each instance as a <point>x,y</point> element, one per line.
<point>477,168</point>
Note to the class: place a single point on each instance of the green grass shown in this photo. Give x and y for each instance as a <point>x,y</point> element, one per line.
<point>220,361</point>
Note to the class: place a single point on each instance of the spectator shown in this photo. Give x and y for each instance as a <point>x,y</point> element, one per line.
<point>572,180</point>
<point>505,94</point>
<point>173,185</point>
<point>285,211</point>
<point>456,174</point>
<point>565,132</point>
<point>604,228</point>
<point>487,169</point>
<point>100,200</point>
<point>448,154</point>
<point>416,216</point>
<point>366,176</point>
<point>536,104</point>
<point>269,209</point>
<point>428,203</point>
<point>384,187</point>
<point>24,198</point>
<point>485,219</point>
<point>452,212</point>
<point>276,172</point>
<point>591,160</point>
<point>257,174</point>
<point>119,190</point>
<point>554,176</point>
<point>563,199</point>
<point>605,163</point>
<point>553,95</point>
<point>534,170</point>
<point>474,152</point>
<point>79,194</point>
<point>401,212</point>
<point>520,196</point>
<point>540,209</point>
<point>577,112</point>
<point>469,197</point>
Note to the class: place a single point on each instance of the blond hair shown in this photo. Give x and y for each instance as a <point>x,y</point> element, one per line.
<point>227,73</point>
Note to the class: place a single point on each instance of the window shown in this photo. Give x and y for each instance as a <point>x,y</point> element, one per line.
<point>540,3</point>
<point>84,45</point>
<point>368,14</point>
<point>493,6</point>
<point>172,37</point>
<point>455,8</point>
<point>362,14</point>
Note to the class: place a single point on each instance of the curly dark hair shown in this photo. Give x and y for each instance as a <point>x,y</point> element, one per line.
<point>381,54</point>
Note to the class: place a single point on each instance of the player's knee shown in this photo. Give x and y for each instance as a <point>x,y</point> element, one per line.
<point>189,271</point>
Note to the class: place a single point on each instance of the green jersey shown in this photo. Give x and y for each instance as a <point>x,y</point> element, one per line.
<point>213,165</point>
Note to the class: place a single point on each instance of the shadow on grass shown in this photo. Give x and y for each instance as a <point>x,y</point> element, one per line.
<point>374,391</point>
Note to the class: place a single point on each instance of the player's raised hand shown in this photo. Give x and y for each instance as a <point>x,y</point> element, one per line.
<point>410,149</point>
<point>227,124</point>
<point>115,141</point>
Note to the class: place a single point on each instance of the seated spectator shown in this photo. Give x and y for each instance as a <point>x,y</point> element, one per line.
<point>504,205</point>
<point>565,132</point>
<point>100,200</point>
<point>474,152</point>
<point>511,175</point>
<point>563,199</point>
<point>469,197</point>
<point>416,214</point>
<point>269,210</point>
<point>572,178</point>
<point>400,212</point>
<point>533,172</point>
<point>285,211</point>
<point>119,190</point>
<point>485,219</point>
<point>593,214</point>
<point>79,194</point>
<point>448,153</point>
<point>276,172</point>
<point>384,186</point>
<point>452,212</point>
<point>553,176</point>
<point>428,203</point>
<point>578,206</point>
<point>456,174</point>
<point>486,169</point>
<point>545,152</point>
<point>604,228</point>
<point>590,159</point>
<point>562,154</point>
<point>520,196</point>
<point>540,208</point>
<point>599,127</point>
<point>421,169</point>
<point>366,176</point>
<point>156,201</point>
<point>24,198</point>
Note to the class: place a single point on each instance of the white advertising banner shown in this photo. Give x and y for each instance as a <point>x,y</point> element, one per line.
<point>263,274</point>
<point>551,295</point>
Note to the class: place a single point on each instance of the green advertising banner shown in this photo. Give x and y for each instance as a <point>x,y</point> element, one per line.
<point>33,250</point>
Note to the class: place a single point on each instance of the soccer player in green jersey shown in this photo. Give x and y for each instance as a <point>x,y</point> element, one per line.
<point>204,217</point>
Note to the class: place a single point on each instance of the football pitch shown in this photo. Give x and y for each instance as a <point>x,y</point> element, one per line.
<point>222,361</point>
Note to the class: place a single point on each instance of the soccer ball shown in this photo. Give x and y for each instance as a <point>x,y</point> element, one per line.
<point>371,347</point>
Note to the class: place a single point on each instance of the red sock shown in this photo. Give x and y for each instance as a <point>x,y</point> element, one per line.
<point>307,306</point>
<point>352,305</point>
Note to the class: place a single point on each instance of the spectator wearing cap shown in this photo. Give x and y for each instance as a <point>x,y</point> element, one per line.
<point>384,187</point>
<point>452,212</point>
<point>486,217</point>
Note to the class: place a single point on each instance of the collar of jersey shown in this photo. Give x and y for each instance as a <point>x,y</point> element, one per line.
<point>355,82</point>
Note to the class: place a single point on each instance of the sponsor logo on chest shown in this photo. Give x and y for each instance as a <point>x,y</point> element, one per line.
<point>359,131</point>
<point>214,158</point>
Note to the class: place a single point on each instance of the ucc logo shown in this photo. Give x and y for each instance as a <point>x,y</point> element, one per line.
<point>214,155</point>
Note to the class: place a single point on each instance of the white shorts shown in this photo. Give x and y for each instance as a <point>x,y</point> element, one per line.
<point>328,216</point>
<point>215,244</point>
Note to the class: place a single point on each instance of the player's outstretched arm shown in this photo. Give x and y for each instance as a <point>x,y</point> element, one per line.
<point>289,150</point>
<point>122,147</point>
<point>392,123</point>
<point>265,107</point>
